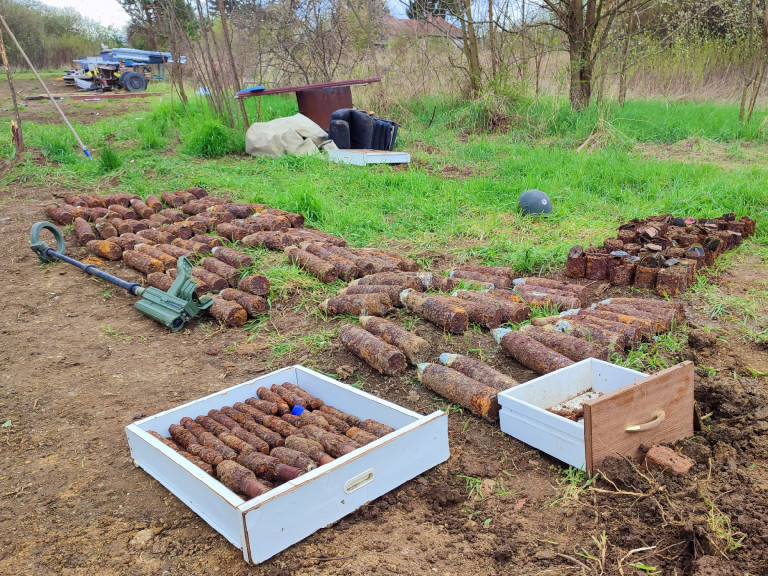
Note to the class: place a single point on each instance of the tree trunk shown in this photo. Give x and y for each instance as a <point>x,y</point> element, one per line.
<point>16,132</point>
<point>623,64</point>
<point>759,69</point>
<point>473,56</point>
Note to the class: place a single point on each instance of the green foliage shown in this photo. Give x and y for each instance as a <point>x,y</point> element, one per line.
<point>109,160</point>
<point>211,139</point>
<point>55,144</point>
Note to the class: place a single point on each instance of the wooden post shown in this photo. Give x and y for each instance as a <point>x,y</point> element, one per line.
<point>16,131</point>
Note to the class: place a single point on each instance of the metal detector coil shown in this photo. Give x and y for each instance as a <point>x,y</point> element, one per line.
<point>173,308</point>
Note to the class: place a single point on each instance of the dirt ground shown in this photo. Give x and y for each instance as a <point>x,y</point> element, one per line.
<point>78,364</point>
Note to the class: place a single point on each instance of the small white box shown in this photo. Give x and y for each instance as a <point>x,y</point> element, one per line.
<point>263,526</point>
<point>632,409</point>
<point>364,157</point>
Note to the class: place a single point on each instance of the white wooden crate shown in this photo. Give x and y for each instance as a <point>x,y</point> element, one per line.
<point>364,157</point>
<point>629,398</point>
<point>263,526</point>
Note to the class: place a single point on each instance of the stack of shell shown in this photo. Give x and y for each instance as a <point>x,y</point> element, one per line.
<point>272,438</point>
<point>660,253</point>
<point>150,234</point>
<point>612,325</point>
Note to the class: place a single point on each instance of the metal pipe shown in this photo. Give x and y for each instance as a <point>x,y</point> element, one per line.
<point>132,287</point>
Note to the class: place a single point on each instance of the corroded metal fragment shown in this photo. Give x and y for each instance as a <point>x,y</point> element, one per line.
<point>382,357</point>
<point>529,352</point>
<point>461,389</point>
<point>479,371</point>
<point>414,347</point>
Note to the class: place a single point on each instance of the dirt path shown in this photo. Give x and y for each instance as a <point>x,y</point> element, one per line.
<point>78,363</point>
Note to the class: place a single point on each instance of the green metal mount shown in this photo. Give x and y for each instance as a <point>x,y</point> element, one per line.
<point>173,308</point>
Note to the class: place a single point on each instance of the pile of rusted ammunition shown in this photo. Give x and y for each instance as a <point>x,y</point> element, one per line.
<point>383,345</point>
<point>255,445</point>
<point>150,237</point>
<point>612,325</point>
<point>659,252</point>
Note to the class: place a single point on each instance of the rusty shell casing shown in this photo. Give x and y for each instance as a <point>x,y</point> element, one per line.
<point>597,266</point>
<point>276,424</point>
<point>254,305</point>
<point>382,357</point>
<point>272,240</point>
<point>185,196</point>
<point>232,257</point>
<point>461,389</point>
<point>216,266</point>
<point>196,247</point>
<point>643,327</point>
<point>174,251</point>
<point>257,284</point>
<point>83,231</point>
<point>576,264</point>
<point>105,229</point>
<point>239,479</point>
<point>253,439</point>
<point>350,419</point>
<point>447,284</point>
<point>547,297</point>
<point>60,215</point>
<point>264,406</point>
<point>333,444</point>
<point>671,281</point>
<point>613,244</point>
<point>239,416</point>
<point>231,231</point>
<point>142,262</point>
<point>337,424</point>
<point>262,221</point>
<point>238,444</point>
<point>267,395</point>
<point>569,346</point>
<point>414,348</point>
<point>316,235</point>
<point>479,371</point>
<point>589,332</point>
<point>529,352</point>
<point>408,279</point>
<point>167,441</point>
<point>358,304</point>
<point>292,419</point>
<point>289,397</point>
<point>309,447</point>
<point>238,210</point>
<point>322,269</point>
<point>293,458</point>
<point>662,319</point>
<point>128,241</point>
<point>196,460</point>
<point>160,280</point>
<point>497,281</point>
<point>314,401</point>
<point>157,236</point>
<point>121,226</point>
<point>375,428</point>
<point>449,316</point>
<point>137,225</point>
<point>215,281</point>
<point>190,442</point>
<point>309,417</point>
<point>403,263</point>
<point>629,335</point>
<point>172,199</point>
<point>749,225</point>
<point>123,212</point>
<point>482,313</point>
<point>645,277</point>
<point>296,220</point>
<point>211,240</point>
<point>197,192</point>
<point>253,423</point>
<point>392,291</point>
<point>509,311</point>
<point>222,418</point>
<point>365,265</point>
<point>141,208</point>
<point>207,439</point>
<point>652,305</point>
<point>173,215</point>
<point>167,260</point>
<point>361,436</point>
<point>501,271</point>
<point>154,203</point>
<point>211,425</point>
<point>230,313</point>
<point>346,269</point>
<point>621,272</point>
<point>105,249</point>
<point>200,286</point>
<point>269,467</point>
<point>506,295</point>
<point>577,290</point>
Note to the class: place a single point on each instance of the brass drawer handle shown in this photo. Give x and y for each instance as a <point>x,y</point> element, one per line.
<point>655,423</point>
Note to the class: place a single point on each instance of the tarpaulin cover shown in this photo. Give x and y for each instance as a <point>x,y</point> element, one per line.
<point>296,135</point>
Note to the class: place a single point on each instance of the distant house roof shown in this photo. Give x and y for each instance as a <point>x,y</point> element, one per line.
<point>392,27</point>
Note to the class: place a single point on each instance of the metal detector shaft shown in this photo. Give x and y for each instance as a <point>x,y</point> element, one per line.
<point>133,287</point>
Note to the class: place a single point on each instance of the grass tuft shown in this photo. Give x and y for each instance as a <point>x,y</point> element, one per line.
<point>109,160</point>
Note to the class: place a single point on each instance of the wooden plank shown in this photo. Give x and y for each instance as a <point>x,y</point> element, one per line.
<point>606,418</point>
<point>96,96</point>
<point>310,87</point>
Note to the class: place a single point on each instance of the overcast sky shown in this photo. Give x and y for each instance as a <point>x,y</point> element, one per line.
<point>105,12</point>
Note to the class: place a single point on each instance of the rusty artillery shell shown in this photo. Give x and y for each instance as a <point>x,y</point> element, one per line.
<point>197,192</point>
<point>154,203</point>
<point>621,271</point>
<point>661,318</point>
<point>408,279</point>
<point>575,326</point>
<point>392,291</point>
<point>569,346</point>
<point>597,266</point>
<point>222,418</point>
<point>207,439</point>
<point>366,265</point>
<point>239,479</point>
<point>333,444</point>
<point>254,305</point>
<point>257,284</point>
<point>292,419</point>
<point>446,284</point>
<point>509,311</point>
<point>358,304</point>
<point>631,336</point>
<point>232,257</point>
<point>137,225</point>
<point>322,269</point>
<point>83,231</point>
<point>402,262</point>
<point>238,444</point>
<point>123,212</point>
<point>121,225</point>
<point>160,280</point>
<point>671,281</point>
<point>105,229</point>
<point>483,313</point>
<point>105,249</point>
<point>157,236</point>
<point>290,398</point>
<point>651,305</point>
<point>643,327</point>
<point>361,436</point>
<point>382,357</point>
<point>211,425</point>
<point>309,447</point>
<point>314,401</point>
<point>293,458</point>
<point>577,290</point>
<point>269,467</point>
<point>167,260</point>
<point>267,395</point>
<point>296,220</point>
<point>506,295</point>
<point>222,269</point>
<point>196,247</point>
<point>252,438</point>
<point>191,444</point>
<point>215,281</point>
<point>350,419</point>
<point>210,240</point>
<point>252,423</point>
<point>263,406</point>
<point>263,221</point>
<point>141,208</point>
<point>230,313</point>
<point>174,251</point>
<point>497,281</point>
<point>461,389</point>
<point>129,241</point>
<point>237,210</point>
<point>337,424</point>
<point>309,417</point>
<point>142,262</point>
<point>547,297</point>
<point>501,271</point>
<point>231,231</point>
<point>478,371</point>
<point>60,215</point>
<point>375,428</point>
<point>272,240</point>
<point>449,316</point>
<point>529,352</point>
<point>196,460</point>
<point>413,347</point>
<point>172,199</point>
<point>345,268</point>
<point>576,264</point>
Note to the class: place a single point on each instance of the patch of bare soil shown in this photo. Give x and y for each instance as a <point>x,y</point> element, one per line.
<point>79,364</point>
<point>698,150</point>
